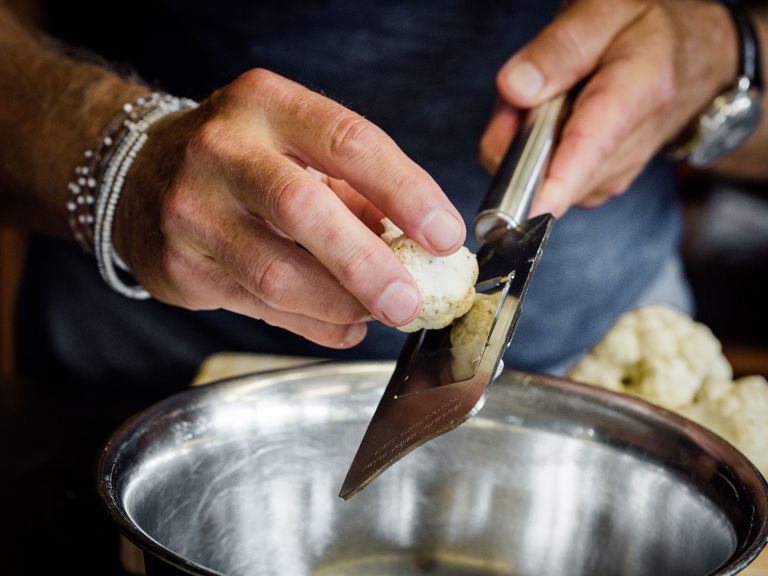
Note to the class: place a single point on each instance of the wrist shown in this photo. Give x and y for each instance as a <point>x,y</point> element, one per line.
<point>137,228</point>
<point>77,123</point>
<point>708,57</point>
<point>731,113</point>
<point>725,47</point>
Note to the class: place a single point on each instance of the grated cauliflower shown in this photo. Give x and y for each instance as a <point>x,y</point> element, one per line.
<point>469,335</point>
<point>666,358</point>
<point>446,284</point>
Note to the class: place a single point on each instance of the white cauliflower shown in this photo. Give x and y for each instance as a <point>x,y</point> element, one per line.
<point>657,353</point>
<point>668,359</point>
<point>446,283</point>
<point>470,333</point>
<point>737,411</point>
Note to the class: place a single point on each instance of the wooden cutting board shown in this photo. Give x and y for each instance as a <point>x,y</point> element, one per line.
<point>759,567</point>
<point>229,364</point>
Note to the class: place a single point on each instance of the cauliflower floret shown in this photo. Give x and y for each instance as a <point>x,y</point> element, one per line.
<point>656,353</point>
<point>666,358</point>
<point>622,347</point>
<point>446,283</point>
<point>470,333</point>
<point>594,371</point>
<point>667,381</point>
<point>737,411</point>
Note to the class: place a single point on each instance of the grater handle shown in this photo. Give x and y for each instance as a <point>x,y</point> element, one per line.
<point>508,201</point>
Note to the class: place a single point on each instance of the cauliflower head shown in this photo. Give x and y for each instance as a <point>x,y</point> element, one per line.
<point>657,353</point>
<point>668,359</point>
<point>446,283</point>
<point>737,411</point>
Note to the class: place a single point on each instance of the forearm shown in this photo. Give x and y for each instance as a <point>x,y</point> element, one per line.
<point>750,162</point>
<point>52,108</point>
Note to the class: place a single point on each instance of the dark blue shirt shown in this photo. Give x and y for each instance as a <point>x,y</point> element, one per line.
<point>424,72</point>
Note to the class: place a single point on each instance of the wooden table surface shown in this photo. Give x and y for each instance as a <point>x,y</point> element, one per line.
<point>759,567</point>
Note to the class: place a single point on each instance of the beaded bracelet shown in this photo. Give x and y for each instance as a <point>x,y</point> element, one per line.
<point>82,190</point>
<point>99,182</point>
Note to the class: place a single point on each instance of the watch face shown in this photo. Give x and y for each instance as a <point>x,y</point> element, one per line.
<point>733,117</point>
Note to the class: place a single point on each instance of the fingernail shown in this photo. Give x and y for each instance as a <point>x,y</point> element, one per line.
<point>399,302</point>
<point>442,229</point>
<point>525,79</point>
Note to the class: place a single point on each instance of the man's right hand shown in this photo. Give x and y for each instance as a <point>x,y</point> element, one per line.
<point>266,201</point>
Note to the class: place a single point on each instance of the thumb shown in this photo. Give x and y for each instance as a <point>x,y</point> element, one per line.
<point>566,51</point>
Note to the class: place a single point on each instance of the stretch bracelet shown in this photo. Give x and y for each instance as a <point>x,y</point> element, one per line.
<point>99,182</point>
<point>83,189</point>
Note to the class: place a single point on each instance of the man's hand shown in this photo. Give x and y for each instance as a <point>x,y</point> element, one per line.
<point>651,66</point>
<point>266,201</point>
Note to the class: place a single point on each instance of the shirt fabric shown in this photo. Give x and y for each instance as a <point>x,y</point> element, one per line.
<point>424,72</point>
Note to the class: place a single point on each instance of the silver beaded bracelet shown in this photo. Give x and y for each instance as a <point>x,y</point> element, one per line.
<point>99,182</point>
<point>83,189</point>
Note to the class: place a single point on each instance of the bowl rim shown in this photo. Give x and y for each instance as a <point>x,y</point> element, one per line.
<point>109,453</point>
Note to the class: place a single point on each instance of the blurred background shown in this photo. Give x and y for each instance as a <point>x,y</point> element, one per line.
<point>726,259</point>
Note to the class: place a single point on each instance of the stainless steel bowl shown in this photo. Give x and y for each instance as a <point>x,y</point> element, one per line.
<point>550,478</point>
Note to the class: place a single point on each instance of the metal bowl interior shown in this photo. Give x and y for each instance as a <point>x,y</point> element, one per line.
<point>551,477</point>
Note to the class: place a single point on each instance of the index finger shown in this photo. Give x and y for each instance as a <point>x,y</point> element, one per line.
<point>309,212</point>
<point>345,145</point>
<point>611,106</point>
<point>566,51</point>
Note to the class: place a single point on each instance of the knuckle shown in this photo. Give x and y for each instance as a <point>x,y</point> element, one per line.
<point>665,89</point>
<point>664,72</point>
<point>274,280</point>
<point>175,266</point>
<point>290,202</point>
<point>485,147</point>
<point>342,308</point>
<point>351,136</point>
<point>349,264</point>
<point>615,188</point>
<point>250,91</point>
<point>325,333</point>
<point>179,271</point>
<point>488,154</point>
<point>593,200</point>
<point>655,12</point>
<point>207,142</point>
<point>639,6</point>
<point>348,315</point>
<point>178,208</point>
<point>256,79</point>
<point>602,143</point>
<point>567,43</point>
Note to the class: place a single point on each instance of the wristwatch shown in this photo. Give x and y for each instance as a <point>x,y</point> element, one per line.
<point>734,115</point>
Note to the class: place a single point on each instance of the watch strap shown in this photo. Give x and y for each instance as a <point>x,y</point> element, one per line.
<point>750,64</point>
<point>685,144</point>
